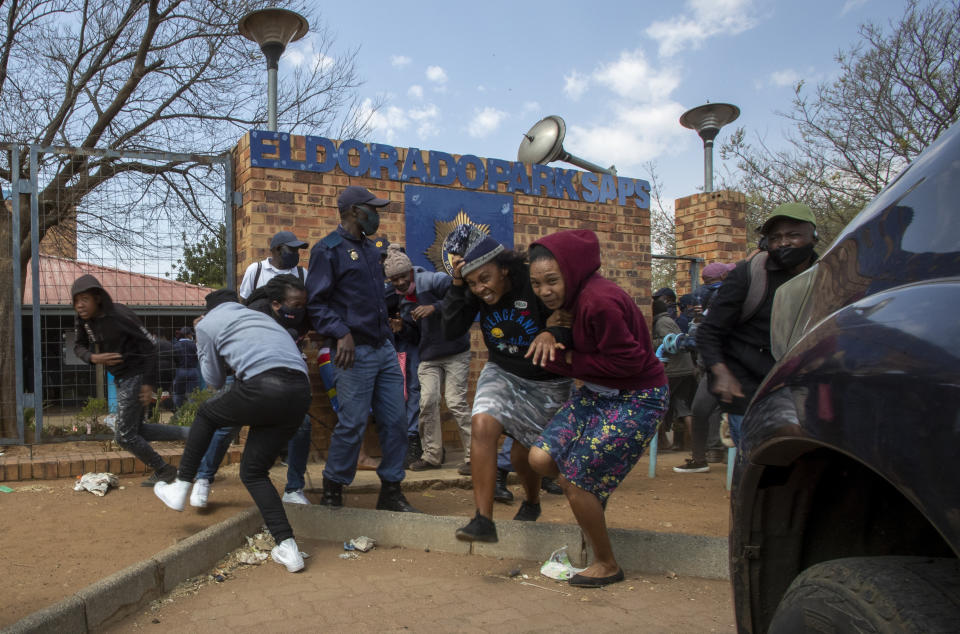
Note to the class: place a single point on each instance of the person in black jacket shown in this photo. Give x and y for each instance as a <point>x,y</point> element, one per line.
<point>734,339</point>
<point>513,395</point>
<point>111,335</point>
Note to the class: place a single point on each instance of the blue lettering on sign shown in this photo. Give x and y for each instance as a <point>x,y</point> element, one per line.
<point>590,191</point>
<point>499,173</point>
<point>384,157</point>
<point>436,176</point>
<point>414,167</point>
<point>316,144</point>
<point>272,149</point>
<point>479,173</point>
<point>518,179</point>
<point>544,180</point>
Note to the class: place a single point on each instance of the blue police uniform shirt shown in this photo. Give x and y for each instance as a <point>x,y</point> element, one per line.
<point>345,283</point>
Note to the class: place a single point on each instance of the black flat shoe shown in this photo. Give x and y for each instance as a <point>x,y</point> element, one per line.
<point>580,581</point>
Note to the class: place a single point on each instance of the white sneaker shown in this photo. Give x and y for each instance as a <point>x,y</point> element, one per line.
<point>295,497</point>
<point>173,494</point>
<point>288,554</point>
<point>201,490</point>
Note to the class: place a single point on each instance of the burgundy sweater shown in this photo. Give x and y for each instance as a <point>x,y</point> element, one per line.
<point>611,343</point>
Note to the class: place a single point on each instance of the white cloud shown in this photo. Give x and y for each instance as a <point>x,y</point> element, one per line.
<point>638,121</point>
<point>426,119</point>
<point>635,134</point>
<point>785,77</point>
<point>701,20</point>
<point>399,61</point>
<point>303,53</point>
<point>415,91</point>
<point>850,5</point>
<point>574,85</point>
<point>632,77</point>
<point>390,122</point>
<point>530,106</point>
<point>485,121</point>
<point>436,74</point>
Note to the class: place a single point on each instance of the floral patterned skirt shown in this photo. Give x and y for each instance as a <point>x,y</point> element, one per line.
<point>596,440</point>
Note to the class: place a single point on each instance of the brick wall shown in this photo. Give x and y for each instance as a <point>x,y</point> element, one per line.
<point>711,226</point>
<point>305,203</point>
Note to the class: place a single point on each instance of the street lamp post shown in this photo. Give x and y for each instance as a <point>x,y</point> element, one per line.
<point>707,121</point>
<point>273,29</point>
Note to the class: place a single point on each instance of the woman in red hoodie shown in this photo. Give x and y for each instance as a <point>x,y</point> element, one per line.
<point>596,437</point>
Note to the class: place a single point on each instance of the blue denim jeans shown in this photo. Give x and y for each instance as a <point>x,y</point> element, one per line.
<point>298,451</point>
<point>735,420</point>
<point>374,382</point>
<point>413,389</point>
<point>503,456</point>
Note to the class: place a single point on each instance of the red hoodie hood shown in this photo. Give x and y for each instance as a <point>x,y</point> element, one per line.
<point>577,252</point>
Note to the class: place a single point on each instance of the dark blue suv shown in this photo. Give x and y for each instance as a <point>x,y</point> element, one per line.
<point>846,507</point>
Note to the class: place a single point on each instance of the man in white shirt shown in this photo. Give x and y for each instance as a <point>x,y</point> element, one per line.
<point>284,258</point>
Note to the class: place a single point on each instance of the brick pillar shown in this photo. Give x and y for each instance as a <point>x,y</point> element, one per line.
<point>711,226</point>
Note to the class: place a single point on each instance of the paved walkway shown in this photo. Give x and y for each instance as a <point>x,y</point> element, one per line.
<point>391,590</point>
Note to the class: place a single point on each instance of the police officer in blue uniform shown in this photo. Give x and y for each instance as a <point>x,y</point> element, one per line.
<point>346,303</point>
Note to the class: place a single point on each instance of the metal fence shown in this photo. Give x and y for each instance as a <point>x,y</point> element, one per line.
<point>137,221</point>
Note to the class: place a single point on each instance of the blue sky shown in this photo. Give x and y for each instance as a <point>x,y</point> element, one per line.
<point>471,78</point>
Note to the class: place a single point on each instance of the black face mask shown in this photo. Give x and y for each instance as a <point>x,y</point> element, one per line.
<point>289,259</point>
<point>368,219</point>
<point>790,257</point>
<point>292,316</point>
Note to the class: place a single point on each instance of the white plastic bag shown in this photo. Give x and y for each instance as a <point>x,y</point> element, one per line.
<point>558,566</point>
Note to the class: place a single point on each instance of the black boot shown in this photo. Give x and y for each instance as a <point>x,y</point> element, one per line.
<point>548,485</point>
<point>501,493</point>
<point>332,494</point>
<point>391,498</point>
<point>414,451</point>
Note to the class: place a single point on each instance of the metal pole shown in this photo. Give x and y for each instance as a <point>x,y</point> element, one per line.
<point>708,165</point>
<point>17,308</point>
<point>229,203</point>
<point>272,99</point>
<point>35,289</point>
<point>272,52</point>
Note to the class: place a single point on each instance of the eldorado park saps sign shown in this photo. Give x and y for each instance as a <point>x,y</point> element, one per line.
<point>355,158</point>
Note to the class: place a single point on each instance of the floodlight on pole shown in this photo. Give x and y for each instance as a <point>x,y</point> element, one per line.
<point>543,143</point>
<point>273,29</point>
<point>707,121</point>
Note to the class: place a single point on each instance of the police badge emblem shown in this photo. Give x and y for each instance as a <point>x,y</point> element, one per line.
<point>354,255</point>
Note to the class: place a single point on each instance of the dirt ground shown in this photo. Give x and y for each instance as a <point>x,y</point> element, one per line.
<point>393,589</point>
<point>55,541</point>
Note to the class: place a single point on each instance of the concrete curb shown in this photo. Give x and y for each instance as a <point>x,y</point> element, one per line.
<point>124,592</point>
<point>637,551</point>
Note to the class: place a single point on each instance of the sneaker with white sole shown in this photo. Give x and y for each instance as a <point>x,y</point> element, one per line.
<point>173,494</point>
<point>295,497</point>
<point>693,466</point>
<point>200,493</point>
<point>287,553</point>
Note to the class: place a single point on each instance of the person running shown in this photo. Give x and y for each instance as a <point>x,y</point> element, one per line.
<point>111,335</point>
<point>513,396</point>
<point>598,435</point>
<point>271,394</point>
<point>284,299</point>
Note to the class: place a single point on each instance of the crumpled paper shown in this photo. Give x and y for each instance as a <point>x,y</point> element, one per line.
<point>362,543</point>
<point>558,566</point>
<point>96,483</point>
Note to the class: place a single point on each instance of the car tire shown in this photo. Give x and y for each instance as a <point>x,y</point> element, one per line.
<point>873,594</point>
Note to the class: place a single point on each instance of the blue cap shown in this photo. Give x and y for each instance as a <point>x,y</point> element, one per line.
<point>287,239</point>
<point>355,195</point>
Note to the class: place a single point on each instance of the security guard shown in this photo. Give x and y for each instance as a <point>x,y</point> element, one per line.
<point>346,302</point>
